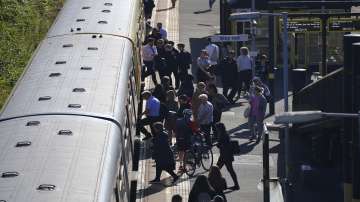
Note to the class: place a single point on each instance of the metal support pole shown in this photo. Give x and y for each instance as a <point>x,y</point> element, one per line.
<point>222,17</point>
<point>356,163</point>
<point>356,123</point>
<point>266,172</point>
<point>271,75</point>
<point>253,40</point>
<point>286,104</point>
<point>239,30</point>
<point>285,61</point>
<point>323,69</point>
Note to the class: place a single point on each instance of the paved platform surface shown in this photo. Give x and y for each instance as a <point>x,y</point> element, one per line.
<point>191,20</point>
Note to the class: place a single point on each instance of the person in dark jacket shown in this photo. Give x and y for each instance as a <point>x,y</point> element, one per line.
<point>184,103</point>
<point>183,60</point>
<point>219,102</point>
<point>217,181</point>
<point>171,64</point>
<point>262,68</point>
<point>187,86</point>
<point>226,153</point>
<point>159,93</point>
<point>162,153</point>
<point>166,84</point>
<point>228,72</point>
<point>148,8</point>
<point>201,190</point>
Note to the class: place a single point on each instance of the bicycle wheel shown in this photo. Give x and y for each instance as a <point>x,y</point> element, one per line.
<point>207,159</point>
<point>189,163</point>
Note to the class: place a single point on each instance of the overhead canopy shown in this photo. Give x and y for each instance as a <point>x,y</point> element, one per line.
<point>293,4</point>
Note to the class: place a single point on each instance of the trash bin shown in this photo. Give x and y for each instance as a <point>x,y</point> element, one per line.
<point>298,79</point>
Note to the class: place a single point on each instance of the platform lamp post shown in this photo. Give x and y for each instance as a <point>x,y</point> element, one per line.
<point>308,116</point>
<point>248,16</point>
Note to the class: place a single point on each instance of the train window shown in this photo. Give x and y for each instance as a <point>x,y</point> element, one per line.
<point>33,123</point>
<point>102,22</point>
<point>93,48</point>
<point>78,29</point>
<point>86,68</point>
<point>67,45</point>
<point>23,144</point>
<point>65,132</point>
<point>80,20</point>
<point>60,62</point>
<point>9,174</point>
<point>106,11</point>
<point>85,7</point>
<point>43,98</point>
<point>74,105</point>
<point>54,74</point>
<point>79,90</point>
<point>108,4</point>
<point>46,187</point>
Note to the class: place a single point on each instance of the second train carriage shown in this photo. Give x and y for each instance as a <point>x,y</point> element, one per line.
<point>70,132</point>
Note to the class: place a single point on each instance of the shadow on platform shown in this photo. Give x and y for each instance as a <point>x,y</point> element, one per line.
<point>164,9</point>
<point>202,11</point>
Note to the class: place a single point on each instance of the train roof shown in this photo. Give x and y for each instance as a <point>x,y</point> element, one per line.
<point>57,159</point>
<point>74,73</point>
<point>81,74</point>
<point>116,17</point>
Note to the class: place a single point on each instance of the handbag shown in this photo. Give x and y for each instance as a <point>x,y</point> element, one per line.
<point>247,112</point>
<point>235,147</point>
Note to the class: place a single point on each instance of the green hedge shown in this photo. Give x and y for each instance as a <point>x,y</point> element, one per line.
<point>23,24</point>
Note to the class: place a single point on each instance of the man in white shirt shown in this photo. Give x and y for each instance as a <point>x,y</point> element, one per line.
<point>162,31</point>
<point>149,52</point>
<point>213,52</point>
<point>244,67</point>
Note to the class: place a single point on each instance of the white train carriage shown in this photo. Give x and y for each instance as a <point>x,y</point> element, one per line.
<point>67,130</point>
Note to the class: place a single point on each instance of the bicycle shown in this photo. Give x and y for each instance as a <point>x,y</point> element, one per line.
<point>198,155</point>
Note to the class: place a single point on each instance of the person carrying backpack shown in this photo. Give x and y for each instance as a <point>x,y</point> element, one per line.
<point>226,153</point>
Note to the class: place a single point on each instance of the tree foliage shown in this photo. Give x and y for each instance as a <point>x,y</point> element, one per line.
<point>23,24</point>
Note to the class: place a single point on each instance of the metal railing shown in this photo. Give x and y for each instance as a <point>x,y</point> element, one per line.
<point>270,185</point>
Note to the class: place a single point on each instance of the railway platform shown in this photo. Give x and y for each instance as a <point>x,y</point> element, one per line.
<point>189,23</point>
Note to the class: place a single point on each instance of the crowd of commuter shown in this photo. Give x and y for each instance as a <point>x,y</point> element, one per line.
<point>180,105</point>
